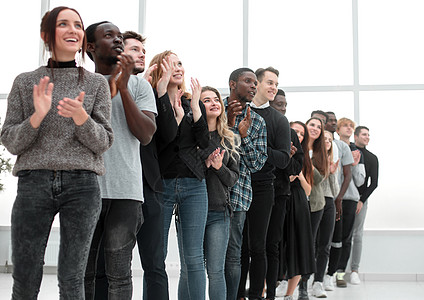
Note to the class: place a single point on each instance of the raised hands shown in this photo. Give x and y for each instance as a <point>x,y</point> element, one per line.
<point>147,75</point>
<point>333,165</point>
<point>176,105</point>
<point>215,159</point>
<point>196,89</point>
<point>72,108</point>
<point>167,70</point>
<point>356,157</point>
<point>233,110</point>
<point>245,124</point>
<point>42,95</point>
<point>125,67</point>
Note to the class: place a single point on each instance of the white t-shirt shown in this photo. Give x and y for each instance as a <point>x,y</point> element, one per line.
<point>335,152</point>
<point>123,178</point>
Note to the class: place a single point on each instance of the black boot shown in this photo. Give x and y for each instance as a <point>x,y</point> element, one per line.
<point>303,290</point>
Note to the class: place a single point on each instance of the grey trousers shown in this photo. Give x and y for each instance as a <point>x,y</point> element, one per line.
<point>358,230</point>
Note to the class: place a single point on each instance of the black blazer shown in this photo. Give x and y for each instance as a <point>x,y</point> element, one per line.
<point>164,134</point>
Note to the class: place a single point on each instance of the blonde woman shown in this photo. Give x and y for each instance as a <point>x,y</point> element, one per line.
<point>183,169</point>
<point>222,173</point>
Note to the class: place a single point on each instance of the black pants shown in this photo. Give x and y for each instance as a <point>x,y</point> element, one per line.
<point>119,222</point>
<point>274,237</point>
<point>150,245</point>
<point>323,238</point>
<point>257,221</point>
<point>342,238</point>
<point>316,217</point>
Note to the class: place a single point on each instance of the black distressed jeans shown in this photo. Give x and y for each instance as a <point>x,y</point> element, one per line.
<point>42,194</point>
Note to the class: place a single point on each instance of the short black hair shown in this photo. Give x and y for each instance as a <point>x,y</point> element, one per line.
<point>90,34</point>
<point>235,75</point>
<point>280,92</point>
<point>359,128</point>
<point>320,112</point>
<point>260,73</point>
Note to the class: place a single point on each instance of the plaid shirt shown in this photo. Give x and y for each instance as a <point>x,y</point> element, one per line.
<point>253,155</point>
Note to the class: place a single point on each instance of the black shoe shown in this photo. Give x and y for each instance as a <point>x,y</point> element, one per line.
<point>303,290</point>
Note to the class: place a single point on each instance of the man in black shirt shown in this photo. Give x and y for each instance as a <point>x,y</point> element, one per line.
<point>362,138</point>
<point>278,149</point>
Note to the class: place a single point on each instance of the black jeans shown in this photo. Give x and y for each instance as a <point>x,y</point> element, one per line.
<point>119,222</point>
<point>342,238</point>
<point>273,239</point>
<point>316,217</point>
<point>75,195</point>
<point>258,217</point>
<point>149,240</point>
<point>323,238</point>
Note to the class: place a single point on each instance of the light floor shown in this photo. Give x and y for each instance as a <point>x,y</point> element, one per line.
<point>368,290</point>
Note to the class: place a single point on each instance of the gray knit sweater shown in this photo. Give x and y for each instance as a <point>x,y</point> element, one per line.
<point>58,144</point>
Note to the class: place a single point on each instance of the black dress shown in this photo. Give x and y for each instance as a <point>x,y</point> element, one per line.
<point>299,247</point>
<point>297,251</point>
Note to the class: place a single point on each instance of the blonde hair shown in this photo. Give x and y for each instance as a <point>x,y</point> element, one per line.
<point>330,151</point>
<point>344,121</point>
<point>229,140</point>
<point>157,74</point>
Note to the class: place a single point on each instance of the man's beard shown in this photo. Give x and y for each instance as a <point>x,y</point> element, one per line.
<point>138,70</point>
<point>244,99</point>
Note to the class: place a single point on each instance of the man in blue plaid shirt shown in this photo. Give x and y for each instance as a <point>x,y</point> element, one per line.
<point>253,154</point>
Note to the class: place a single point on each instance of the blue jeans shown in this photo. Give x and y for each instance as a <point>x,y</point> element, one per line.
<point>190,197</point>
<point>119,222</point>
<point>216,242</point>
<point>232,259</point>
<point>75,195</point>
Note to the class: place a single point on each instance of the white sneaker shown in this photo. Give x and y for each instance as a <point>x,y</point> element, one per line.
<point>281,289</point>
<point>354,278</point>
<point>329,283</point>
<point>318,290</point>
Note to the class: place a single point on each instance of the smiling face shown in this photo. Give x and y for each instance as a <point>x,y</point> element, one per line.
<point>363,138</point>
<point>299,130</point>
<point>212,104</point>
<point>69,35</point>
<point>279,103</point>
<point>328,139</point>
<point>108,43</point>
<point>268,87</point>
<point>345,130</point>
<point>177,77</point>
<point>136,50</point>
<point>314,128</point>
<point>245,87</point>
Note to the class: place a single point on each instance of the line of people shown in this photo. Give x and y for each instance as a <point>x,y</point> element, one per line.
<point>118,155</point>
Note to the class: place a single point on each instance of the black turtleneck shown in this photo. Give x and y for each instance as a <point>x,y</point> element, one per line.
<point>61,64</point>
